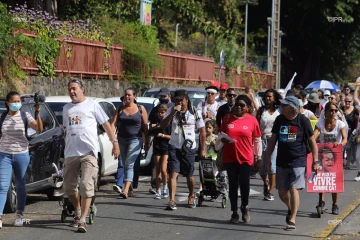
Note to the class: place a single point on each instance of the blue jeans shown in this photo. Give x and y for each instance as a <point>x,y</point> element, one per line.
<point>137,170</point>
<point>120,173</point>
<point>19,164</point>
<point>129,149</point>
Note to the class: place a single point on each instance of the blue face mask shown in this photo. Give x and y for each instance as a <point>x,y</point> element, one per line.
<point>15,106</point>
<point>164,101</point>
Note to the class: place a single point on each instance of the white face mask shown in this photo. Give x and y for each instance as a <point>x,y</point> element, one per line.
<point>326,97</point>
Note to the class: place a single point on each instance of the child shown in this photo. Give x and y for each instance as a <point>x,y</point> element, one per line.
<point>160,152</point>
<point>210,128</point>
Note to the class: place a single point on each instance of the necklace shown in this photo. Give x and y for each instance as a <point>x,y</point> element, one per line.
<point>230,107</point>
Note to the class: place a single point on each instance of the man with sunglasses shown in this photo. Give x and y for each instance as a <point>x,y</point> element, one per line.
<point>209,107</point>
<point>80,120</point>
<point>226,108</point>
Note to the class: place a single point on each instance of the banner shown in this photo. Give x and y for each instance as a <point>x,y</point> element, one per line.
<point>288,86</point>
<point>330,177</point>
<point>145,12</point>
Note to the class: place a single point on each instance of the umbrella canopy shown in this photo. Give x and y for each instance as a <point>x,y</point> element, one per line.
<point>323,84</point>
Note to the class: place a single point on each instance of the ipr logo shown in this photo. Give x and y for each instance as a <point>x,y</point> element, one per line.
<point>25,221</point>
<point>337,19</point>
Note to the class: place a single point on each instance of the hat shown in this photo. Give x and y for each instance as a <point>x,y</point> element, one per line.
<point>290,92</point>
<point>180,94</point>
<point>281,91</point>
<point>303,93</point>
<point>164,92</point>
<point>358,79</point>
<point>213,85</point>
<point>314,98</point>
<point>291,100</point>
<point>327,93</point>
<point>224,86</point>
<point>245,98</point>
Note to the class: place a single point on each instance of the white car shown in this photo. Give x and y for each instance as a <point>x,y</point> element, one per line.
<point>107,164</point>
<point>148,103</point>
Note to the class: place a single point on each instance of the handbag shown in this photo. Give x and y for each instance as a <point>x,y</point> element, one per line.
<point>186,147</point>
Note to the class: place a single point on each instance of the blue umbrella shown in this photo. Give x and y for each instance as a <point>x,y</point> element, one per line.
<point>323,84</point>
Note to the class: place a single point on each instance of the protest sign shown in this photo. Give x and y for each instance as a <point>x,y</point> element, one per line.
<point>330,176</point>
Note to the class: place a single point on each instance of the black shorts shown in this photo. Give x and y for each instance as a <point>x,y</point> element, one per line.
<point>184,165</point>
<point>160,152</point>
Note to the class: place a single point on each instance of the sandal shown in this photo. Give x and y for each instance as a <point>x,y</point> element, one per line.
<point>131,193</point>
<point>290,227</point>
<point>123,195</point>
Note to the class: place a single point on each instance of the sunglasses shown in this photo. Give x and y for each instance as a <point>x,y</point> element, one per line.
<point>333,110</point>
<point>210,93</point>
<point>330,98</point>
<point>348,101</point>
<point>231,95</point>
<point>75,81</point>
<point>347,89</point>
<point>242,105</point>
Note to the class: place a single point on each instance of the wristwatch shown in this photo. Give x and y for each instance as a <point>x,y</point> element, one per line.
<point>113,141</point>
<point>317,162</point>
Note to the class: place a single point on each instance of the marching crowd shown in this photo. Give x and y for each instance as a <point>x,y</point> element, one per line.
<point>272,136</point>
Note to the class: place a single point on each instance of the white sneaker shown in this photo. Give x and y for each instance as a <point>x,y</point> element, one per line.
<point>198,193</point>
<point>19,221</point>
<point>165,192</point>
<point>357,178</point>
<point>158,195</point>
<point>117,189</point>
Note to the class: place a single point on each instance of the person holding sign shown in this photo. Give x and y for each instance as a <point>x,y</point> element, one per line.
<point>331,130</point>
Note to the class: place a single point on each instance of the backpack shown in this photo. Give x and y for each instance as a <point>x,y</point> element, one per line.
<point>24,118</point>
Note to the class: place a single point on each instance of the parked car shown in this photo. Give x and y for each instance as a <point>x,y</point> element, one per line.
<point>148,103</point>
<point>45,149</point>
<point>107,164</point>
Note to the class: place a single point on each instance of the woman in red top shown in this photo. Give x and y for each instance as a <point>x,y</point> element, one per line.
<point>238,157</point>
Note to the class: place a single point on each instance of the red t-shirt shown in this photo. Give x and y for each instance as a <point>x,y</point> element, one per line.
<point>243,130</point>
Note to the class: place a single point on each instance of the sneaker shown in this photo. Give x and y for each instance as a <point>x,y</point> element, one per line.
<point>191,202</point>
<point>245,214</point>
<point>266,189</point>
<point>269,197</point>
<point>290,226</point>
<point>165,193</point>
<point>19,221</point>
<point>75,222</point>
<point>357,177</point>
<point>152,191</point>
<point>253,176</point>
<point>117,189</point>
<point>335,210</point>
<point>234,218</point>
<point>171,205</point>
<point>198,192</point>
<point>82,227</point>
<point>157,196</point>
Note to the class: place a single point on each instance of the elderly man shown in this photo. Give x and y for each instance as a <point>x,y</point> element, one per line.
<point>209,108</point>
<point>293,132</point>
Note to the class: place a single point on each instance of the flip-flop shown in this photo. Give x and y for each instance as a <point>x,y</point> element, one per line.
<point>290,227</point>
<point>131,194</point>
<point>123,195</point>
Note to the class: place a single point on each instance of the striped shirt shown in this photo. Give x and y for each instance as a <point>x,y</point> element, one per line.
<point>13,140</point>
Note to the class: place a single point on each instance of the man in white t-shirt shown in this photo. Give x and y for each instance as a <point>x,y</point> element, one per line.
<point>80,119</point>
<point>182,145</point>
<point>209,107</point>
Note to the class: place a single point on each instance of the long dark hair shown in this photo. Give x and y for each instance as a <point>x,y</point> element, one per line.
<point>133,91</point>
<point>276,95</point>
<point>9,96</point>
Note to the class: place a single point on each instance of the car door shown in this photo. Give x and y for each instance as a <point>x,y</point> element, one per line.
<point>109,164</point>
<point>44,148</point>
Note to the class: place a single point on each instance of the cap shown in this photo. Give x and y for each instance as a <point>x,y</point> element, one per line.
<point>224,86</point>
<point>291,100</point>
<point>180,94</point>
<point>327,93</point>
<point>314,98</point>
<point>164,92</point>
<point>303,93</point>
<point>213,85</point>
<point>358,79</point>
<point>281,91</point>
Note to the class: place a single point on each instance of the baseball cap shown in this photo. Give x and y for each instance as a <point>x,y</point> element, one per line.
<point>180,94</point>
<point>303,93</point>
<point>314,98</point>
<point>224,86</point>
<point>327,93</point>
<point>291,100</point>
<point>164,92</point>
<point>213,85</point>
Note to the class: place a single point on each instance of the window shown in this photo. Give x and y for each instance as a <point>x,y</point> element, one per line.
<point>108,109</point>
<point>47,119</point>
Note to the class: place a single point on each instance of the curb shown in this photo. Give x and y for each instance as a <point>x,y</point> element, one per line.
<point>328,230</point>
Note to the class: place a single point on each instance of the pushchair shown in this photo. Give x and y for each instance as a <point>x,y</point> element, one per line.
<point>214,183</point>
<point>68,209</point>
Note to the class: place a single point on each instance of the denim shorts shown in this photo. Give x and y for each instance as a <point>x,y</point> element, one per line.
<point>178,163</point>
<point>288,178</point>
<point>272,169</point>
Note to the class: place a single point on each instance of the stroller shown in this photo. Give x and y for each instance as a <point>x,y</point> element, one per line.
<point>214,183</point>
<point>68,209</point>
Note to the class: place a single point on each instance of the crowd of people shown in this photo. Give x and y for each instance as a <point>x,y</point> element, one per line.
<point>290,123</point>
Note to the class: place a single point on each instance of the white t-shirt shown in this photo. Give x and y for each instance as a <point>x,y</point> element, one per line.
<point>13,140</point>
<point>205,107</point>
<point>339,116</point>
<point>333,136</point>
<point>267,121</point>
<point>308,113</point>
<point>177,138</point>
<point>80,122</point>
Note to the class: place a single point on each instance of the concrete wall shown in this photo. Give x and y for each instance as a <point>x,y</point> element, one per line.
<point>94,88</point>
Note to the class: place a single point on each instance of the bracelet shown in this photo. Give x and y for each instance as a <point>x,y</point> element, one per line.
<point>113,141</point>
<point>316,162</point>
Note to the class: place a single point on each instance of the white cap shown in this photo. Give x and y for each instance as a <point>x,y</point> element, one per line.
<point>327,93</point>
<point>281,91</point>
<point>358,79</point>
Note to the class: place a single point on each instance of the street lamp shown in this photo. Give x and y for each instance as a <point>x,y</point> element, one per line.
<point>269,20</point>
<point>281,33</point>
<point>246,18</point>
<point>176,35</point>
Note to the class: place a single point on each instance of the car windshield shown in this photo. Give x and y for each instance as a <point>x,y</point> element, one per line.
<point>57,108</point>
<point>147,106</point>
<point>196,97</point>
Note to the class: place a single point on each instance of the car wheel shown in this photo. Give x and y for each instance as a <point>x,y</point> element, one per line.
<point>98,181</point>
<point>11,201</point>
<point>50,195</point>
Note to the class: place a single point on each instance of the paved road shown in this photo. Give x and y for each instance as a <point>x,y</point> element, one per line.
<point>143,217</point>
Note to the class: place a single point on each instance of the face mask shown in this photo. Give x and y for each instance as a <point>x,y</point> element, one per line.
<point>15,106</point>
<point>164,101</point>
